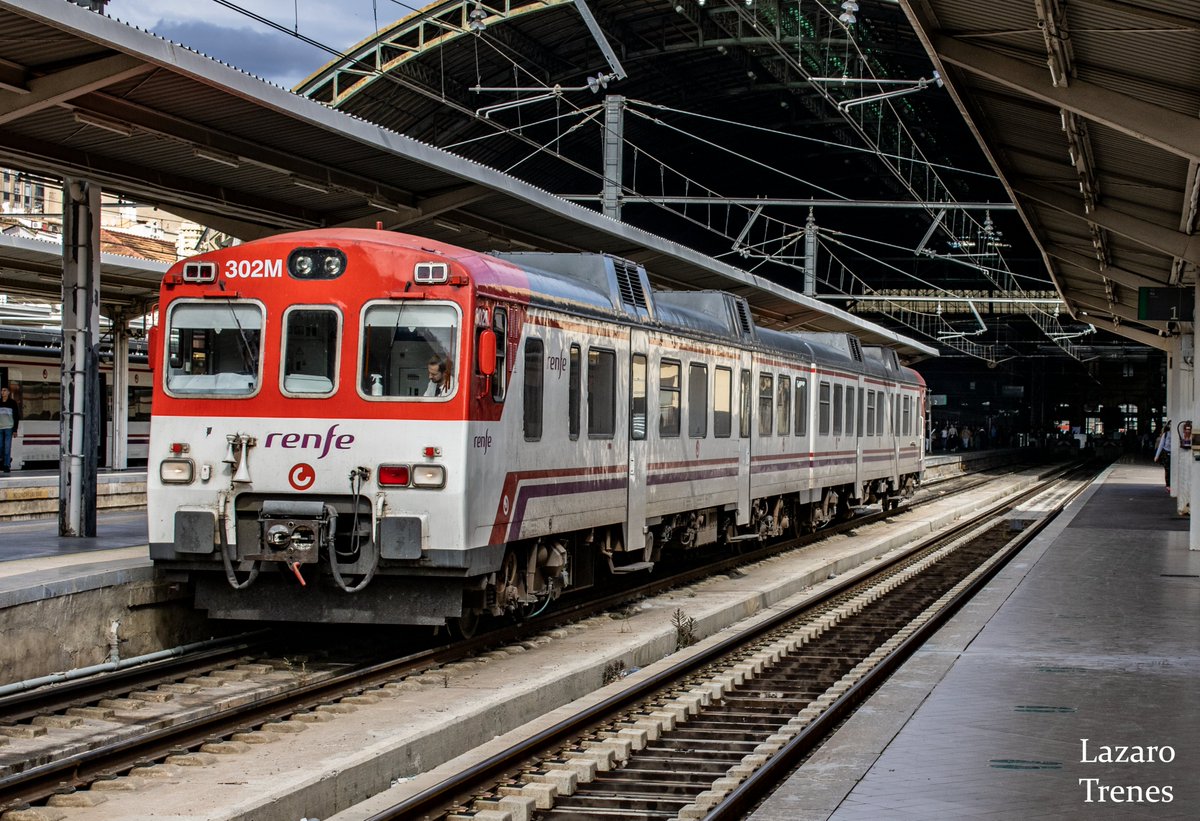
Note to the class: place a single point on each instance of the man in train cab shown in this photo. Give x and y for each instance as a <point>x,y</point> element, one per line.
<point>10,420</point>
<point>439,377</point>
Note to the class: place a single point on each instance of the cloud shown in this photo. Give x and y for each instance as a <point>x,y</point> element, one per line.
<point>252,46</point>
<point>269,54</point>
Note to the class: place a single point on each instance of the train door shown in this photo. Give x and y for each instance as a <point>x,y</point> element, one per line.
<point>746,431</point>
<point>639,444</point>
<point>857,407</point>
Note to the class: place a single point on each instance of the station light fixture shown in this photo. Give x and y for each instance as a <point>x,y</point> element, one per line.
<point>214,155</point>
<point>311,185</point>
<point>96,121</point>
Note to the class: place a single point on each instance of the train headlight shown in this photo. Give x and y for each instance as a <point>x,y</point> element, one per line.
<point>303,265</point>
<point>316,263</point>
<point>176,471</point>
<point>428,476</point>
<point>392,475</point>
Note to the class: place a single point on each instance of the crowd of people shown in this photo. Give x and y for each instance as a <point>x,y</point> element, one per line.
<point>950,437</point>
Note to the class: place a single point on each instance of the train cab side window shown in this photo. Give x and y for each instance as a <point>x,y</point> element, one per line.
<point>697,401</point>
<point>408,351</point>
<point>500,377</point>
<point>637,398</point>
<point>215,348</point>
<point>823,405</point>
<point>573,380</point>
<point>722,403</point>
<point>801,406</point>
<point>837,410</point>
<point>870,413</point>
<point>601,393</point>
<point>783,406</point>
<point>310,351</point>
<point>744,405</point>
<point>534,364</point>
<point>850,411</point>
<point>668,398</point>
<point>766,403</point>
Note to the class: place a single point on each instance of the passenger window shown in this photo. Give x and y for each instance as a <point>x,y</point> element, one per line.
<point>907,415</point>
<point>637,406</point>
<point>408,351</point>
<point>500,378</point>
<point>801,407</point>
<point>310,348</point>
<point>824,410</point>
<point>870,413</point>
<point>573,381</point>
<point>880,404</point>
<point>534,364</point>
<point>601,393</point>
<point>849,411</point>
<point>766,403</point>
<point>744,405</point>
<point>668,398</point>
<point>783,406</point>
<point>722,403</point>
<point>697,401</point>
<point>837,410</point>
<point>214,348</point>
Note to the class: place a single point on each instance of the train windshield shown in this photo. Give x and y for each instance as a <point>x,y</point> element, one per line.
<point>408,351</point>
<point>214,349</point>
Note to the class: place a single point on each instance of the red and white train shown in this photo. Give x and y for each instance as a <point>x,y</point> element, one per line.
<point>364,426</point>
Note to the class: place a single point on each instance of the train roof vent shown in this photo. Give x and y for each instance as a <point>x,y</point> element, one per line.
<point>629,285</point>
<point>742,311</point>
<point>855,347</point>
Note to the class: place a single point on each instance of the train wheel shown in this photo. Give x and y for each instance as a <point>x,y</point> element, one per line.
<point>508,592</point>
<point>464,626</point>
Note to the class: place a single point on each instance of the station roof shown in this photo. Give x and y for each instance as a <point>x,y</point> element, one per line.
<point>85,96</point>
<point>1087,111</point>
<point>33,268</point>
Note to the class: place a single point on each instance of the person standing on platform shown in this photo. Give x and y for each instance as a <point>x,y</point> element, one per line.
<point>10,420</point>
<point>1162,454</point>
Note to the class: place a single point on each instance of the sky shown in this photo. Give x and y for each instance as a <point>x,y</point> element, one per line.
<point>235,38</point>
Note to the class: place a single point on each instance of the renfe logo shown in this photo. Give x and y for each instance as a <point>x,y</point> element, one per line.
<point>314,441</point>
<point>302,476</point>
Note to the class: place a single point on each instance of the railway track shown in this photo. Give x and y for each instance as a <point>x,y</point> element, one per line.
<point>186,711</point>
<point>710,736</point>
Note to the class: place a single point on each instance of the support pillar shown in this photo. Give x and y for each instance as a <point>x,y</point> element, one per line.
<point>614,153</point>
<point>79,427</point>
<point>810,254</point>
<point>1193,456</point>
<point>1174,360</point>
<point>119,418</point>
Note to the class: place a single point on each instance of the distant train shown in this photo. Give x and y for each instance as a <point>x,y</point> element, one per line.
<point>29,365</point>
<point>364,426</point>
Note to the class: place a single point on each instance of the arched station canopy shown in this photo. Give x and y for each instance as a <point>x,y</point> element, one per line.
<point>82,95</point>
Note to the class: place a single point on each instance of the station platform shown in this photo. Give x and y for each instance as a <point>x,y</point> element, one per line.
<point>1083,650</point>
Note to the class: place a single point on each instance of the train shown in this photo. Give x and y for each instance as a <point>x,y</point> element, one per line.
<point>30,366</point>
<point>357,426</point>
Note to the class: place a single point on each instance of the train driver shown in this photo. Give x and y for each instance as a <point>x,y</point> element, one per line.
<point>439,377</point>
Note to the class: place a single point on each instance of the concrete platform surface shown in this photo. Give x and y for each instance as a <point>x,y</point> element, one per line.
<point>1085,648</point>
